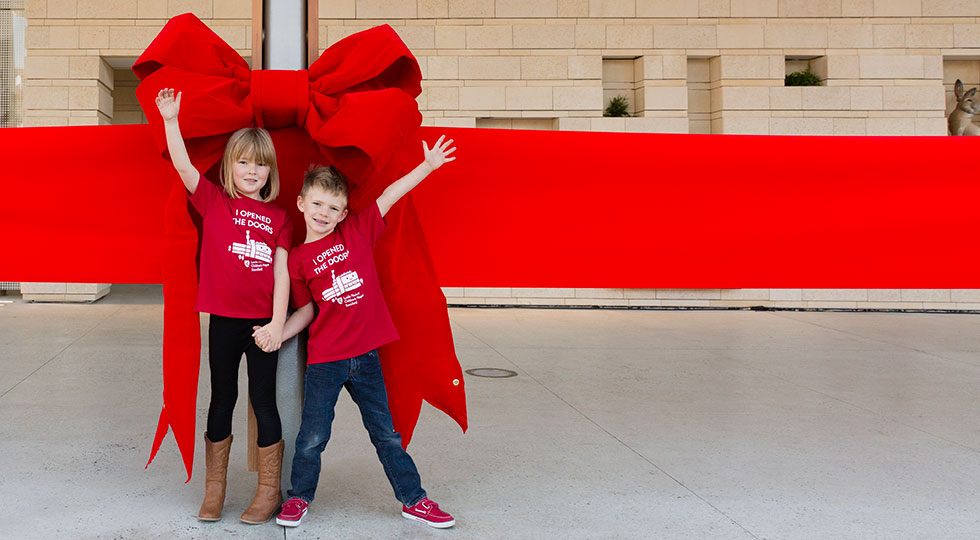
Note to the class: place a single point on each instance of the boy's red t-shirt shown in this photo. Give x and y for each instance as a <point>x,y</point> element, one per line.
<point>339,274</point>
<point>237,253</point>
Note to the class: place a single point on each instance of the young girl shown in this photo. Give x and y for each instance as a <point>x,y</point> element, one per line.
<point>244,282</point>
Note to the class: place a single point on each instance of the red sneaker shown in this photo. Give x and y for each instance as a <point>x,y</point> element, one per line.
<point>428,512</point>
<point>292,512</point>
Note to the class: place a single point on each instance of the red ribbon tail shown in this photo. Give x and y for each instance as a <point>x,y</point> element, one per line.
<point>162,427</point>
<point>186,448</point>
<point>455,410</point>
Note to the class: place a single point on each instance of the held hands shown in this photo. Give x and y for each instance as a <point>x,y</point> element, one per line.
<point>168,105</point>
<point>439,154</point>
<point>268,337</point>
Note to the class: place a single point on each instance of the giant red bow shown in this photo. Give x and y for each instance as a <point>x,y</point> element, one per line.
<point>337,101</point>
<point>356,102</point>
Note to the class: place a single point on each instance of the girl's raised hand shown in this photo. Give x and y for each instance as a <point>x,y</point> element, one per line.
<point>169,105</point>
<point>439,153</point>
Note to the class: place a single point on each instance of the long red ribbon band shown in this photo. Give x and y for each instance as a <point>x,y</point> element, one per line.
<point>613,210</point>
<point>565,209</point>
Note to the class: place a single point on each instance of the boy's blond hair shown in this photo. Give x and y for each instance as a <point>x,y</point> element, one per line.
<point>328,179</point>
<point>254,143</point>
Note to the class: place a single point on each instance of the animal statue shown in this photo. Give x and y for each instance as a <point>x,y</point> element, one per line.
<point>961,119</point>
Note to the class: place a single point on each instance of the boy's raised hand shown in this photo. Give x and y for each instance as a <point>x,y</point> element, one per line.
<point>169,105</point>
<point>435,157</point>
<point>439,154</point>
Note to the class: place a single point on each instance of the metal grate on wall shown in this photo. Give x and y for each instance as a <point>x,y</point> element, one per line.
<point>12,53</point>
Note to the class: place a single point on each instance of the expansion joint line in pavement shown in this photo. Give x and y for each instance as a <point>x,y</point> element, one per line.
<point>59,353</point>
<point>617,439</point>
<point>865,409</point>
<point>875,340</point>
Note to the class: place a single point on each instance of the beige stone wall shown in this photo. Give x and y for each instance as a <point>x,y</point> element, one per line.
<point>75,48</point>
<point>881,61</point>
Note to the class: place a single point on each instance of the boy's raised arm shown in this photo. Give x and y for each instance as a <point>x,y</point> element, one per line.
<point>434,158</point>
<point>169,106</point>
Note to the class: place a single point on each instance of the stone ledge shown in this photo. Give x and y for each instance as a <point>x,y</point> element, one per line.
<point>64,292</point>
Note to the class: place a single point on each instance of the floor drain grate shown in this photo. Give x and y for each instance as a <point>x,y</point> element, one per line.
<point>493,373</point>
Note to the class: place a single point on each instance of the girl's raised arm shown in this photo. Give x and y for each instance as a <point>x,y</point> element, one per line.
<point>169,107</point>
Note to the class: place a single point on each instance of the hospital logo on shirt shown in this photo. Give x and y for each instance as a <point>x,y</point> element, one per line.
<point>342,287</point>
<point>254,254</point>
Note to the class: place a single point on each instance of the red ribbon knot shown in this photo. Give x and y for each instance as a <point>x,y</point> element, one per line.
<point>271,91</point>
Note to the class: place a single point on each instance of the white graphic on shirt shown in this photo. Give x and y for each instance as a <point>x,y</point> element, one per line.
<point>346,282</point>
<point>252,252</point>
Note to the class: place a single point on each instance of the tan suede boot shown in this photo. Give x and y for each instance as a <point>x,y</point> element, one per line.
<point>216,460</point>
<point>267,495</point>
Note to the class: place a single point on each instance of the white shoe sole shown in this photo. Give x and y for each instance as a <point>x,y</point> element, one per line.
<point>436,524</point>
<point>289,523</point>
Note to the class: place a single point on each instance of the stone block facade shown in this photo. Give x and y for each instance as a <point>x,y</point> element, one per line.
<point>76,48</point>
<point>881,63</point>
<point>686,66</point>
<point>63,292</point>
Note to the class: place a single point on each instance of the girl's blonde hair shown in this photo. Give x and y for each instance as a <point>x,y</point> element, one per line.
<point>256,144</point>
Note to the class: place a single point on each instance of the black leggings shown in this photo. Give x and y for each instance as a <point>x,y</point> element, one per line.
<point>228,338</point>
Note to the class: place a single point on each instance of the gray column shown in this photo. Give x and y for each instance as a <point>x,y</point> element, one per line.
<point>284,24</point>
<point>289,397</point>
<point>284,47</point>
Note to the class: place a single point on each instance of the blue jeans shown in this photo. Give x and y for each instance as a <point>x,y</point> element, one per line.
<point>361,376</point>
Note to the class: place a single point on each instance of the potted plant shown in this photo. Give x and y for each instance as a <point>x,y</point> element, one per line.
<point>802,78</point>
<point>618,106</point>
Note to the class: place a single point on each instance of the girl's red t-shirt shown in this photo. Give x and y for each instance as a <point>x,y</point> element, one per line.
<point>339,274</point>
<point>240,240</point>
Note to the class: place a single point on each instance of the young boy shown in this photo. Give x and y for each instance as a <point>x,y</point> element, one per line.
<point>335,268</point>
